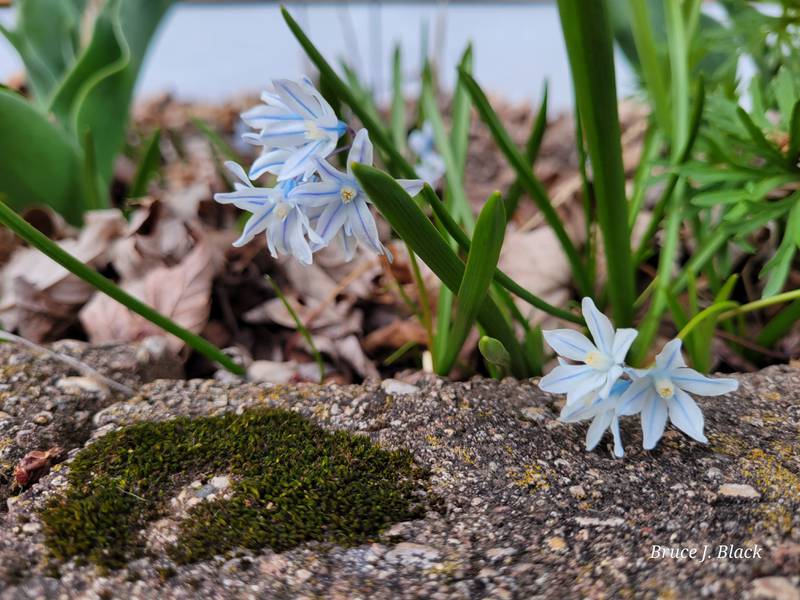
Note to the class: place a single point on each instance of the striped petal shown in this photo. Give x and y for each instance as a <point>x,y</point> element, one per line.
<point>238,172</point>
<point>255,225</point>
<point>331,221</point>
<point>686,415</point>
<point>654,420</point>
<point>569,343</point>
<point>670,356</point>
<point>619,451</point>
<point>262,116</point>
<point>362,225</point>
<point>301,161</point>
<point>411,186</point>
<point>691,381</point>
<point>360,152</point>
<point>636,396</point>
<point>623,339</point>
<point>269,162</point>
<point>316,193</point>
<point>599,325</point>
<point>598,428</point>
<point>297,99</point>
<point>567,378</point>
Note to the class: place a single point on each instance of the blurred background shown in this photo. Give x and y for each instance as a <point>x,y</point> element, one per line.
<point>210,51</point>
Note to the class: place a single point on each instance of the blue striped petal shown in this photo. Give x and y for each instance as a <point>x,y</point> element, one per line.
<point>691,381</point>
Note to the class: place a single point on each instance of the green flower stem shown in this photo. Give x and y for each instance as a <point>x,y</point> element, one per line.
<point>42,243</point>
<point>300,327</point>
<point>759,304</point>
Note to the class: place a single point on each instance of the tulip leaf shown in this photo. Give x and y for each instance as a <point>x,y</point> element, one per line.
<point>47,40</point>
<point>411,224</point>
<point>40,164</point>
<point>478,274</point>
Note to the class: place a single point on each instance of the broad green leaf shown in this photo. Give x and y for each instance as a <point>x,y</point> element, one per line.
<point>418,232</point>
<point>104,102</point>
<point>587,33</point>
<point>532,185</point>
<point>47,40</point>
<point>148,166</point>
<point>478,274</point>
<point>40,164</point>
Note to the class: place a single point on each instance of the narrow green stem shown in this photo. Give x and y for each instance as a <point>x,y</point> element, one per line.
<point>759,304</point>
<point>300,327</point>
<point>42,243</point>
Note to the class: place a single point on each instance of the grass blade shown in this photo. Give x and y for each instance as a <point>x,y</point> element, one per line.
<point>42,243</point>
<point>531,152</point>
<point>478,274</point>
<point>531,184</point>
<point>148,166</point>
<point>459,134</point>
<point>398,102</point>
<point>300,327</point>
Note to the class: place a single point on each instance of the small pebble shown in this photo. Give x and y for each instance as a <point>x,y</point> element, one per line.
<point>739,490</point>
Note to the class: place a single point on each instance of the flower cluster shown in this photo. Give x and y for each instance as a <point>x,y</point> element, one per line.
<point>312,202</point>
<point>596,389</point>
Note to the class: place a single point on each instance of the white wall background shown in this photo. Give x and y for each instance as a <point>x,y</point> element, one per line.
<point>210,52</point>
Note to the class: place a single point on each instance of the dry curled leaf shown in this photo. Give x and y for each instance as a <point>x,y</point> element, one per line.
<point>34,465</point>
<point>182,292</point>
<point>39,296</point>
<point>396,334</point>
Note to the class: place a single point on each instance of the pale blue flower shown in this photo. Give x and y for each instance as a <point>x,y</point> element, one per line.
<point>662,392</point>
<point>345,203</point>
<point>296,126</point>
<point>602,360</point>
<point>604,415</point>
<point>282,219</point>
<point>430,167</point>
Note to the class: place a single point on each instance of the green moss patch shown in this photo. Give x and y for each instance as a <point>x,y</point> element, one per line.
<point>292,482</point>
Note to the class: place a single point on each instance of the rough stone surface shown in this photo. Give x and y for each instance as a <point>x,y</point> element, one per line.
<point>524,511</point>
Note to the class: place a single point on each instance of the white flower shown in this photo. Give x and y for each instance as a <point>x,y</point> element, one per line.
<point>604,415</point>
<point>602,361</point>
<point>345,203</point>
<point>662,391</point>
<point>282,218</point>
<point>297,126</point>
